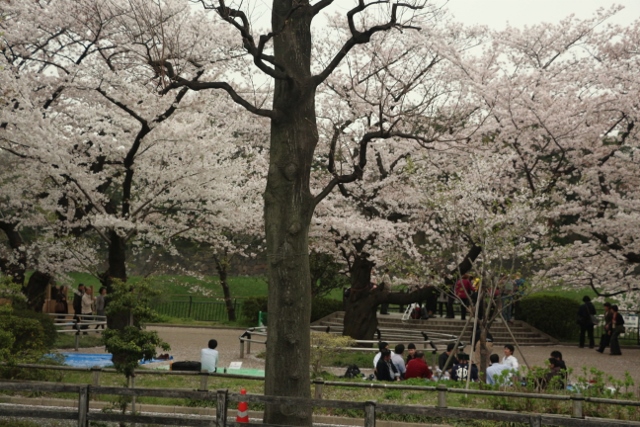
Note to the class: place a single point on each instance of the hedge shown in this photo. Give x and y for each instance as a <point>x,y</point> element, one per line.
<point>553,315</point>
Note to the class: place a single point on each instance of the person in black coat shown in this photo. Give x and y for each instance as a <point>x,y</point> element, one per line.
<point>585,312</point>
<point>385,369</point>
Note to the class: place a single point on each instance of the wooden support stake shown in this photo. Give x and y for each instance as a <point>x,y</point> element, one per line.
<point>221,407</point>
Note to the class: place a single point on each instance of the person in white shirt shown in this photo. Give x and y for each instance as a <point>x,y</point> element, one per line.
<point>509,359</point>
<point>495,370</point>
<point>209,357</point>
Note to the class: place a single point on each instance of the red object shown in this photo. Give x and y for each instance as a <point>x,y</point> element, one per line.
<point>243,408</point>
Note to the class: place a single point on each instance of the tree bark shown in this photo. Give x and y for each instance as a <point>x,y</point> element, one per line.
<point>288,207</point>
<point>222,265</point>
<point>117,269</point>
<point>36,289</point>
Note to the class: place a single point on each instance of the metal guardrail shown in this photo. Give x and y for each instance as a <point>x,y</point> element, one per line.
<point>82,324</point>
<point>371,409</point>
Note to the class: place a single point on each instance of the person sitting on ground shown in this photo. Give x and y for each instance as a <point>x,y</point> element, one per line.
<point>411,349</point>
<point>381,346</point>
<point>209,357</point>
<point>558,356</point>
<point>418,368</point>
<point>494,371</point>
<point>509,359</point>
<point>398,361</point>
<point>385,369</point>
<point>461,370</point>
<point>555,377</point>
<point>442,359</point>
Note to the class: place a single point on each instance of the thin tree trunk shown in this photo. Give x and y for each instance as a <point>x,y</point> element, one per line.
<point>117,269</point>
<point>222,265</point>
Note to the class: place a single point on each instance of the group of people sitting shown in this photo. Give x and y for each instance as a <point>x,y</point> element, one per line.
<point>454,364</point>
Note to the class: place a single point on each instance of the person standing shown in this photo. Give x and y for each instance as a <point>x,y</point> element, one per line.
<point>209,357</point>
<point>87,306</point>
<point>606,336</point>
<point>585,321</point>
<point>61,307</point>
<point>101,304</point>
<point>463,290</point>
<point>77,300</point>
<point>617,328</point>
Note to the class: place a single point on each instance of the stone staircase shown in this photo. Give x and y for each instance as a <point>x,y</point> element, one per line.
<point>438,331</point>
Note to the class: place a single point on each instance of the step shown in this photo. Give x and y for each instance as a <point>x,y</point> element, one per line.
<point>393,328</point>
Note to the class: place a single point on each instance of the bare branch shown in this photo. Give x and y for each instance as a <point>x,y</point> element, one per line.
<point>362,37</point>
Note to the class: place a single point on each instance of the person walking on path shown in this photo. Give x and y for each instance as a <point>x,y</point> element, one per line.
<point>585,321</point>
<point>617,328</point>
<point>606,336</point>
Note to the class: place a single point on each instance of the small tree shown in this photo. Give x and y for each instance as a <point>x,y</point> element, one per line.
<point>324,345</point>
<point>132,343</point>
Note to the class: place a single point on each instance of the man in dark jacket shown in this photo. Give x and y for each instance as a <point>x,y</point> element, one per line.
<point>77,300</point>
<point>585,321</point>
<point>385,369</point>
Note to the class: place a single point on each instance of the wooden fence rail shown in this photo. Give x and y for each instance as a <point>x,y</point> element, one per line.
<point>225,400</point>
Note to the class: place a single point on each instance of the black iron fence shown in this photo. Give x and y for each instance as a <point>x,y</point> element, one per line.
<point>196,308</point>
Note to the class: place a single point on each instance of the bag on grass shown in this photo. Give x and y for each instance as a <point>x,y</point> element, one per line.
<point>352,372</point>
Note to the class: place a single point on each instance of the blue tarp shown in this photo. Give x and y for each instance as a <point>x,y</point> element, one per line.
<point>89,360</point>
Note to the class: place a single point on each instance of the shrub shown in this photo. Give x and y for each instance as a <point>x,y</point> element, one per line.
<point>323,346</point>
<point>251,307</point>
<point>48,326</point>
<point>321,307</point>
<point>554,315</point>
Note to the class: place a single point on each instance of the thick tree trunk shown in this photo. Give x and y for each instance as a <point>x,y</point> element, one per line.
<point>287,212</point>
<point>117,269</point>
<point>360,318</point>
<point>36,289</point>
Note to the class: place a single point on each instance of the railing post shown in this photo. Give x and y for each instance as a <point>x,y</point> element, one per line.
<point>249,344</point>
<point>442,396</point>
<point>370,414</point>
<point>576,404</point>
<point>242,347</point>
<point>221,407</point>
<point>95,374</point>
<point>535,421</point>
<point>83,406</point>
<point>204,376</point>
<point>77,344</point>
<point>319,385</point>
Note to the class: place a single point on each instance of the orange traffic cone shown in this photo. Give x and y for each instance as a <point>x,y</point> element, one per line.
<point>243,408</point>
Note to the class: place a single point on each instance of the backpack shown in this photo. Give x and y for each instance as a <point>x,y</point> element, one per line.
<point>352,372</point>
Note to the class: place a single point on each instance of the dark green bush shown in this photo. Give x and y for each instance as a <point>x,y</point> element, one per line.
<point>251,307</point>
<point>48,326</point>
<point>321,307</point>
<point>554,315</point>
